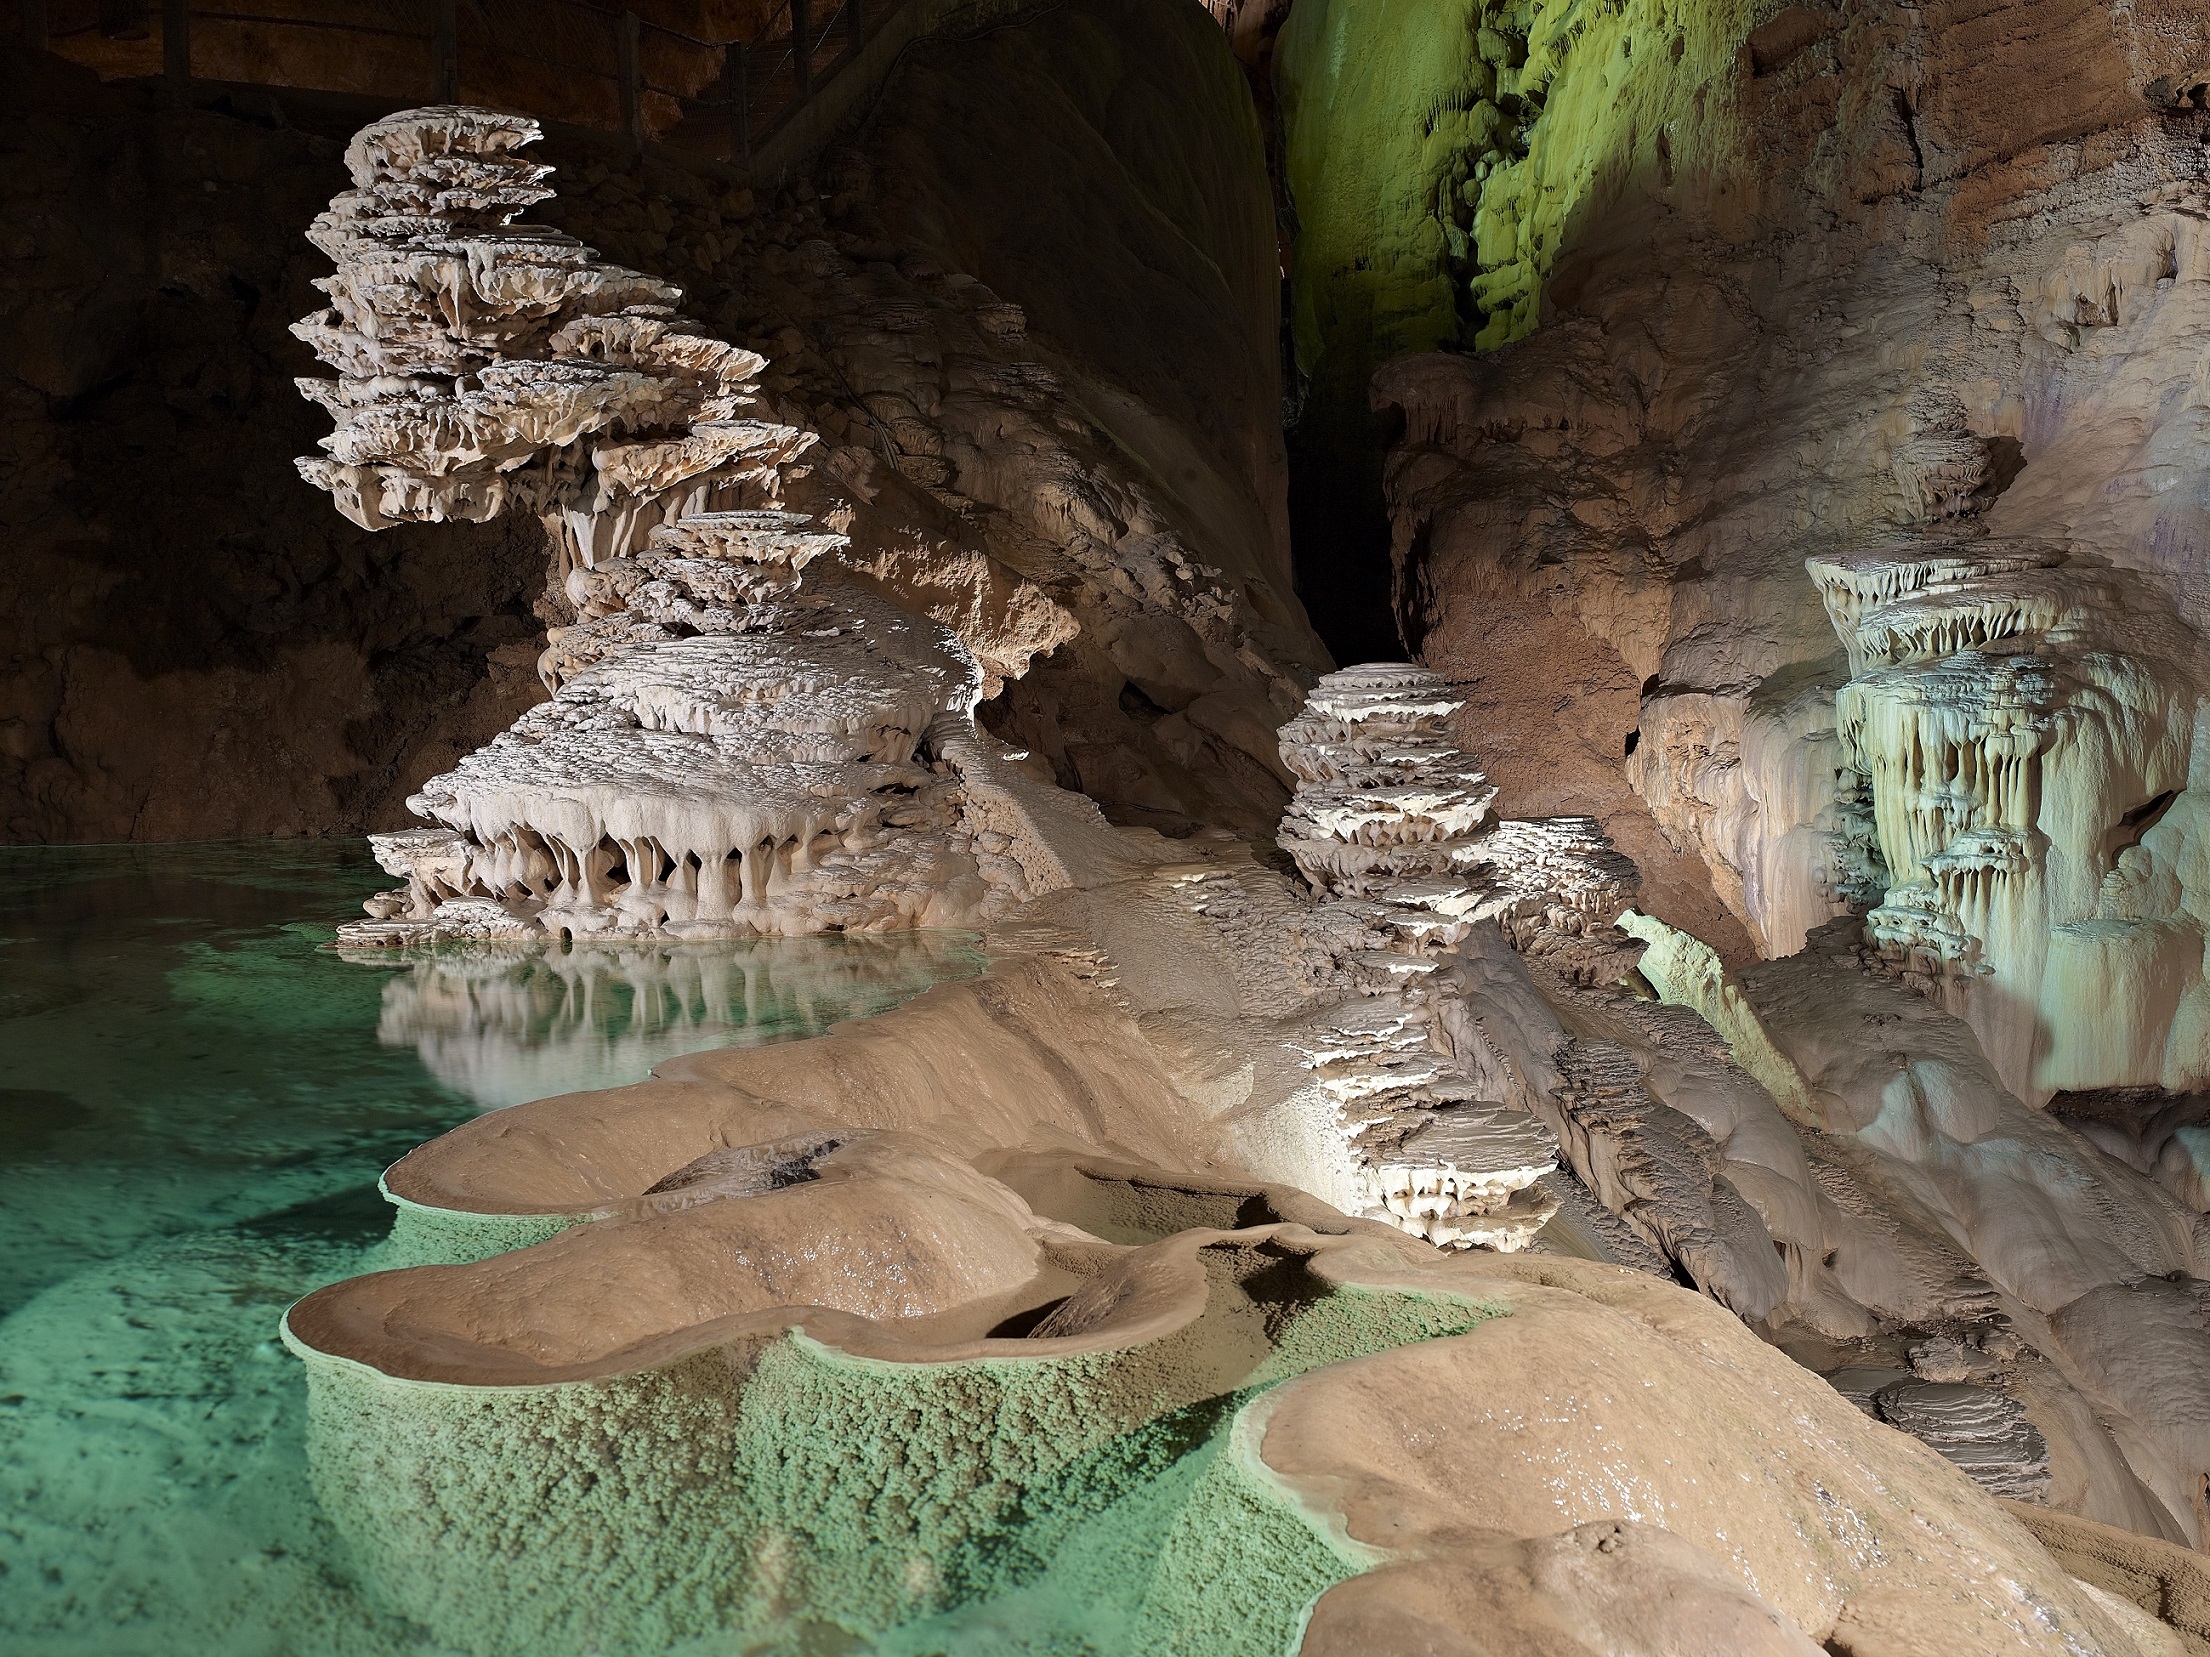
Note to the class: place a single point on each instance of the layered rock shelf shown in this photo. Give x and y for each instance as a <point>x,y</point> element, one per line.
<point>1981,1430</point>
<point>766,780</point>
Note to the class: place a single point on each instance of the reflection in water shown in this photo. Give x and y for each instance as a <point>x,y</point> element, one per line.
<point>194,1106</point>
<point>506,1022</point>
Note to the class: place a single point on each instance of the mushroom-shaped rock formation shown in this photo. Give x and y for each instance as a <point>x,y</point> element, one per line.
<point>716,784</point>
<point>729,750</point>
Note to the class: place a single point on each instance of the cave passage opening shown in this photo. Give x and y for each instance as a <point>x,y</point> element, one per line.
<point>1339,537</point>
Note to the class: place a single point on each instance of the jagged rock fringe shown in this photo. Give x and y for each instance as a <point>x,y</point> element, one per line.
<point>485,365</point>
<point>1396,829</point>
<point>2019,730</point>
<point>728,750</point>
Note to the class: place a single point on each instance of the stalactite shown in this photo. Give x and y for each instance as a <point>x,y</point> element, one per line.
<point>2007,703</point>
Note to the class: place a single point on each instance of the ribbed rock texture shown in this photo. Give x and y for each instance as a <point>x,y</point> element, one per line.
<point>487,366</point>
<point>724,752</point>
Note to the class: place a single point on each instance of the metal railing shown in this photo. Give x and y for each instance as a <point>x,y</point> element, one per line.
<point>575,61</point>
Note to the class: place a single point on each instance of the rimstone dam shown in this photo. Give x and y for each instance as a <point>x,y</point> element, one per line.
<point>1106,828</point>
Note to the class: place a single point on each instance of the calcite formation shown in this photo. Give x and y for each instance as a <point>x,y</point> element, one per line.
<point>728,750</point>
<point>2019,728</point>
<point>1388,810</point>
<point>1981,1430</point>
<point>1395,827</point>
<point>673,1417</point>
<point>487,366</point>
<point>1927,1197</point>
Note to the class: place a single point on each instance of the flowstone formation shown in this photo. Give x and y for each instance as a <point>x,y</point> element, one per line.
<point>1033,1386</point>
<point>2019,731</point>
<point>1107,1404</point>
<point>1396,829</point>
<point>728,750</point>
<point>1938,1233</point>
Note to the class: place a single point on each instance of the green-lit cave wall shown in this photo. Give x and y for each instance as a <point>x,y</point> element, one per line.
<point>1444,160</point>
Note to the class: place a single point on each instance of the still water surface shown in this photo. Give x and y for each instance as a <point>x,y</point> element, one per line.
<point>196,1097</point>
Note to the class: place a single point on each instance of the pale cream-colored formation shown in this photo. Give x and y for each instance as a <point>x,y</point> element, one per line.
<point>487,366</point>
<point>1937,1228</point>
<point>1394,827</point>
<point>729,749</point>
<point>903,1192</point>
<point>2021,726</point>
<point>922,1192</point>
<point>769,780</point>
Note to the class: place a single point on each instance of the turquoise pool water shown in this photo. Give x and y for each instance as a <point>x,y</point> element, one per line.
<point>196,1098</point>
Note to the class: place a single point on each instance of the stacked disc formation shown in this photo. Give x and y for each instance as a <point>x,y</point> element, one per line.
<point>1389,811</point>
<point>484,365</point>
<point>730,748</point>
<point>1395,826</point>
<point>726,753</point>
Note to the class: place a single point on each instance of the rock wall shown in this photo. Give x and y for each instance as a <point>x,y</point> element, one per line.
<point>1098,170</point>
<point>1756,285</point>
<point>193,645</point>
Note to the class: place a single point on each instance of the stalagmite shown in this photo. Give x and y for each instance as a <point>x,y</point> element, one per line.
<point>730,747</point>
<point>1396,828</point>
